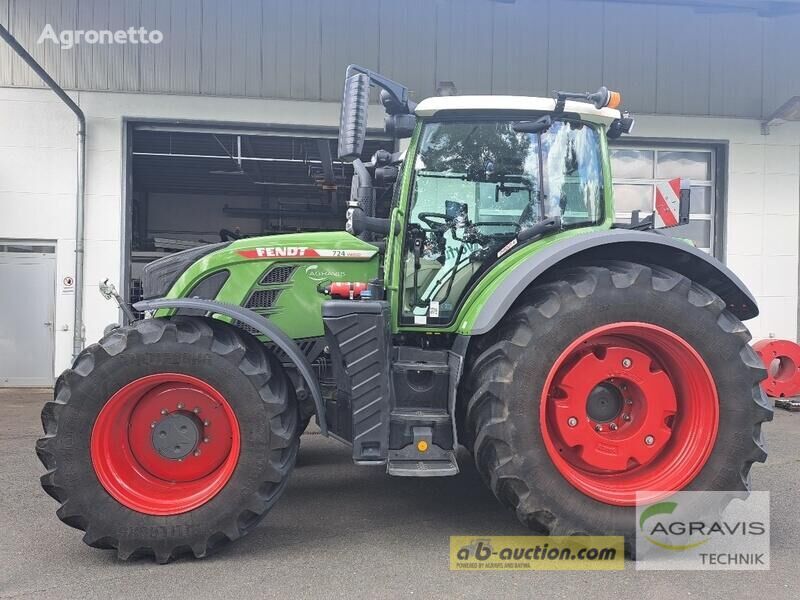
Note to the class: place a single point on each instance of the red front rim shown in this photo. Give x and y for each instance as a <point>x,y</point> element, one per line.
<point>629,407</point>
<point>165,444</point>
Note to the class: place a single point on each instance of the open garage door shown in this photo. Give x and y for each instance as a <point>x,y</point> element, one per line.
<point>190,186</point>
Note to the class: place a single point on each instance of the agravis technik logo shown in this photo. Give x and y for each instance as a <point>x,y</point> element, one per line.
<point>704,531</point>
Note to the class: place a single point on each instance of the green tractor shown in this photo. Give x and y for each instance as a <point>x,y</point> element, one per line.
<point>586,365</point>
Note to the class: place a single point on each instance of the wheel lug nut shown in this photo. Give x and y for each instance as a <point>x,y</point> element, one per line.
<point>206,423</point>
<point>180,405</point>
<point>598,428</point>
<point>572,421</point>
<point>153,425</point>
<point>649,440</point>
<point>626,417</point>
<point>163,411</point>
<point>627,362</point>
<point>613,427</point>
<point>196,410</point>
<point>197,452</point>
<point>205,440</point>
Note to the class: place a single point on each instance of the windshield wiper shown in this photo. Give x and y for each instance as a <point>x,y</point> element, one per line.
<point>539,229</point>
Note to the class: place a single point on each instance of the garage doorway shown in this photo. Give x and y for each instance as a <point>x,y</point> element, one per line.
<point>27,313</point>
<point>192,185</point>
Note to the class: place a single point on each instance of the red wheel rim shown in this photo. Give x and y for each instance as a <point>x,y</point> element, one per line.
<point>165,444</point>
<point>629,407</point>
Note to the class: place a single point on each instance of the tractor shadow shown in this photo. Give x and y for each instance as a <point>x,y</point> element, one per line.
<point>330,502</point>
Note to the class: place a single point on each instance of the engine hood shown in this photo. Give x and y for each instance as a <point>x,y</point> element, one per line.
<point>281,277</point>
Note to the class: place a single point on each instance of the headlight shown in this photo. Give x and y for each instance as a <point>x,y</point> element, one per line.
<point>160,275</point>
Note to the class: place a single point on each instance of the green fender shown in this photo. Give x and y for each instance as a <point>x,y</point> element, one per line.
<point>616,244</point>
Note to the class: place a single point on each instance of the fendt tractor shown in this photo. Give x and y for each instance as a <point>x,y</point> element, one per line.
<point>586,365</point>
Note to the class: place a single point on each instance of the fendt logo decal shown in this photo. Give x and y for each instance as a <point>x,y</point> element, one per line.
<point>305,252</point>
<point>291,251</point>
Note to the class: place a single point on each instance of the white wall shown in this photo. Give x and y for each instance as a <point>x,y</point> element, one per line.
<point>763,216</point>
<point>37,187</point>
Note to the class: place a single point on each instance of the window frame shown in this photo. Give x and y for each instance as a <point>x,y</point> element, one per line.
<point>715,185</point>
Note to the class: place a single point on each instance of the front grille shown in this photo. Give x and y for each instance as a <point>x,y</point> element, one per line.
<point>262,298</point>
<point>277,274</point>
<point>247,328</point>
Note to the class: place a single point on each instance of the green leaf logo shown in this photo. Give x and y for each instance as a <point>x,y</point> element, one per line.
<point>664,508</point>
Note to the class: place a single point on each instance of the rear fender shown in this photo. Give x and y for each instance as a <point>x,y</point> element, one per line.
<point>619,244</point>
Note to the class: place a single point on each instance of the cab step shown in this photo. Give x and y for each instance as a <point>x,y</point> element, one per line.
<point>444,466</point>
<point>423,457</point>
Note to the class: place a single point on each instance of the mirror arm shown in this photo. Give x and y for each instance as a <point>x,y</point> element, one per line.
<point>397,91</point>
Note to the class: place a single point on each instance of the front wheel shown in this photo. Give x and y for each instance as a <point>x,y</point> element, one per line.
<point>609,381</point>
<point>170,436</point>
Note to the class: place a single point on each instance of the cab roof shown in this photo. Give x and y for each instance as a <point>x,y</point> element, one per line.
<point>432,106</point>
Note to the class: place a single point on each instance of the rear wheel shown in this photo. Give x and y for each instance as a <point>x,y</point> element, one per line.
<point>169,437</point>
<point>609,381</point>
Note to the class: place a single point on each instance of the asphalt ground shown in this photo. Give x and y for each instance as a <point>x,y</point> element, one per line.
<point>344,531</point>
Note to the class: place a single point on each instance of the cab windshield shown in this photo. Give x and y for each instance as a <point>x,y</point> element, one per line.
<point>477,186</point>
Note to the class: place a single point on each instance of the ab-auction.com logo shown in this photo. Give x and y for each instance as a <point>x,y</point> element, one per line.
<point>67,39</point>
<point>704,530</point>
<point>469,553</point>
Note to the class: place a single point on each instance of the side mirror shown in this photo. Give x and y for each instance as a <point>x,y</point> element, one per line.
<point>353,119</point>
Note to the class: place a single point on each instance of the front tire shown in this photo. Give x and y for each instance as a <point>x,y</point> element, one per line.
<point>170,436</point>
<point>550,387</point>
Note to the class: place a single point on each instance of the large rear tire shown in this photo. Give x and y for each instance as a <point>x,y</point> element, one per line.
<point>610,379</point>
<point>168,437</point>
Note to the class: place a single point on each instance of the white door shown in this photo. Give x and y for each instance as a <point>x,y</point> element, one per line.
<point>27,311</point>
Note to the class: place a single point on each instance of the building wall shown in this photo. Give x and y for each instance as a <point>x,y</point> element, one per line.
<point>37,186</point>
<point>667,58</point>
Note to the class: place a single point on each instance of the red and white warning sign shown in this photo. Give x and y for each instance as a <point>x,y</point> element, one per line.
<point>668,203</point>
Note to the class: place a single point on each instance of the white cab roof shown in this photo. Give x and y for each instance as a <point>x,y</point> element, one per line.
<point>430,106</point>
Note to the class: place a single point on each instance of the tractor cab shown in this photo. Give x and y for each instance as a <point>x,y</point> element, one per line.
<point>482,176</point>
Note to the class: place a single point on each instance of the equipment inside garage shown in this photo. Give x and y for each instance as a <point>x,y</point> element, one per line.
<point>192,186</point>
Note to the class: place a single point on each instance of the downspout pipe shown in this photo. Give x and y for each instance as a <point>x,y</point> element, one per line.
<point>78,336</point>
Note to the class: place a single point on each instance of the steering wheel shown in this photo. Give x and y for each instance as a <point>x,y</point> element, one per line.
<point>426,217</point>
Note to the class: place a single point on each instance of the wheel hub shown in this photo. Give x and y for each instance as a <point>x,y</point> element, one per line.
<point>605,403</point>
<point>176,435</point>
